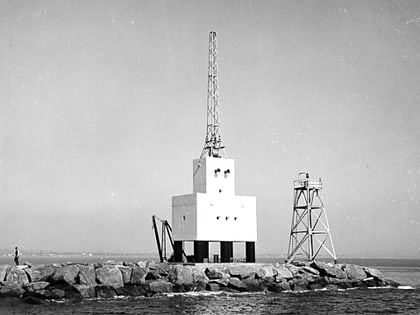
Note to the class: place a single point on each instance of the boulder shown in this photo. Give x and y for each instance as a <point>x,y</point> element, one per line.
<point>161,268</point>
<point>126,274</point>
<point>109,276</point>
<point>138,275</point>
<point>36,286</point>
<point>11,289</point>
<point>181,276</point>
<point>371,272</point>
<point>214,273</point>
<point>236,284</point>
<point>252,285</point>
<point>18,275</point>
<point>212,287</point>
<point>87,275</point>
<point>85,291</point>
<point>161,286</point>
<point>309,270</point>
<point>240,271</point>
<point>300,284</point>
<point>152,275</point>
<point>199,275</point>
<point>104,291</point>
<point>3,272</point>
<point>265,272</point>
<point>67,274</point>
<point>329,270</point>
<point>292,268</point>
<point>131,290</point>
<point>42,272</point>
<point>283,272</point>
<point>223,282</point>
<point>355,272</point>
<point>271,286</point>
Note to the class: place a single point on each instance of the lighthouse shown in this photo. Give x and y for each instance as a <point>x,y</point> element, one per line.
<point>213,212</point>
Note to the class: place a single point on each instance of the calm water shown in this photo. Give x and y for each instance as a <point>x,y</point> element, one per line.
<point>366,301</point>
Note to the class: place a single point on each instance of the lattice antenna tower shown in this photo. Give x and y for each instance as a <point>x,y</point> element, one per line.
<point>310,232</point>
<point>213,141</point>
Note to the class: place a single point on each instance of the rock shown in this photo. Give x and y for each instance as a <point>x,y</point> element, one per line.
<point>283,272</point>
<point>105,291</point>
<point>28,272</point>
<point>17,275</point>
<point>214,273</point>
<point>161,268</point>
<point>240,271</point>
<point>391,283</point>
<point>309,270</point>
<point>292,268</point>
<point>137,275</point>
<point>87,275</point>
<point>36,286</point>
<point>67,274</point>
<point>236,284</point>
<point>152,275</point>
<point>223,282</point>
<point>109,276</point>
<point>355,272</point>
<point>131,290</point>
<point>265,272</point>
<point>3,271</point>
<point>199,275</point>
<point>340,283</point>
<point>42,272</point>
<point>161,286</point>
<point>271,286</point>
<point>252,285</point>
<point>11,289</point>
<point>371,272</point>
<point>212,287</point>
<point>328,270</point>
<point>85,291</point>
<point>126,274</point>
<point>285,286</point>
<point>181,276</point>
<point>300,284</point>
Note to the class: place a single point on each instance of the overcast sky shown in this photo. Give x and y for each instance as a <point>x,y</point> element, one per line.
<point>103,110</point>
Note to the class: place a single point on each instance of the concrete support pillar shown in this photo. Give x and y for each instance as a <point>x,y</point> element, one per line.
<point>201,251</point>
<point>250,252</point>
<point>178,248</point>
<point>226,251</point>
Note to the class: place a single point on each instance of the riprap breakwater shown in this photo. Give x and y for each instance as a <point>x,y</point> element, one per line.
<point>107,280</point>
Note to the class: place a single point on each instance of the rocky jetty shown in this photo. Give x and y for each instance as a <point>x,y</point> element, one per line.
<point>34,284</point>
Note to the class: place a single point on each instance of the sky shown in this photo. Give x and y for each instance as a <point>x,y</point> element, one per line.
<point>103,109</point>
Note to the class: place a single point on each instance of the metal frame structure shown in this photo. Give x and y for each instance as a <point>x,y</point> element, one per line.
<point>310,231</point>
<point>213,141</point>
<point>161,241</point>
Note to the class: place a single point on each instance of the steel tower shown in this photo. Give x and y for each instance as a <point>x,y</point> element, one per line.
<point>310,232</point>
<point>213,141</point>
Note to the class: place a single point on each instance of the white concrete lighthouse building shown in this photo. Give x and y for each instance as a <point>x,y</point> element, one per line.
<point>213,212</point>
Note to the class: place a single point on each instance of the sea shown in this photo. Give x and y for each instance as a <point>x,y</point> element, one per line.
<point>404,300</point>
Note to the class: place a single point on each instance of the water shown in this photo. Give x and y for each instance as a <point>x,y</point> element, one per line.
<point>354,301</point>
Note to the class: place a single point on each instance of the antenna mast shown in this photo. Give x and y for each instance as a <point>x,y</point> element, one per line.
<point>213,142</point>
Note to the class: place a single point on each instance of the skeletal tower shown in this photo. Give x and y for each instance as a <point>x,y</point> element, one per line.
<point>310,232</point>
<point>213,142</point>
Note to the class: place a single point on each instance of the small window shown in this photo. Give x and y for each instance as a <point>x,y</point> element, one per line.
<point>220,190</point>
<point>227,218</point>
<point>235,218</point>
<point>184,218</point>
<point>218,217</point>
